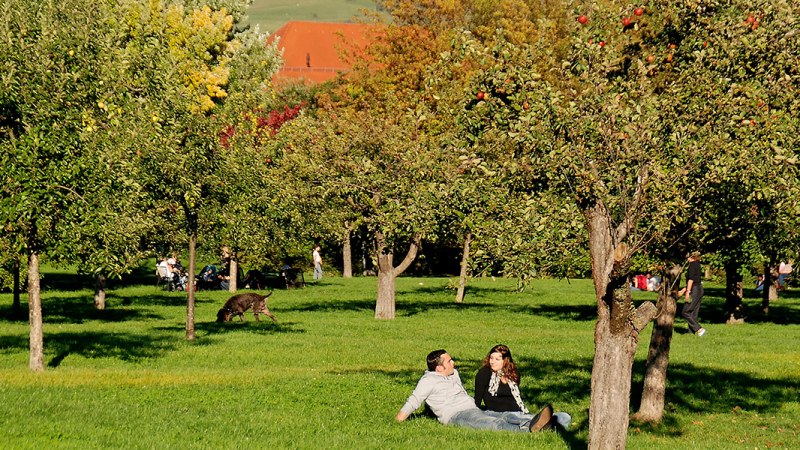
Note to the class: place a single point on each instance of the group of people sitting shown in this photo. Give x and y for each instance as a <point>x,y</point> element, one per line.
<point>496,405</point>
<point>212,278</point>
<point>645,282</point>
<point>173,271</point>
<point>785,270</point>
<point>219,277</point>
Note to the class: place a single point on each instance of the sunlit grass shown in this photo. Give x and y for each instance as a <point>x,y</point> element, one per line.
<point>329,375</point>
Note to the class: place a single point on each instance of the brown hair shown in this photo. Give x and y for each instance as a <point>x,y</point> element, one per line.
<point>509,366</point>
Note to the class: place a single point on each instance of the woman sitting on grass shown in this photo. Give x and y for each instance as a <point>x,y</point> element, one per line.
<point>497,385</point>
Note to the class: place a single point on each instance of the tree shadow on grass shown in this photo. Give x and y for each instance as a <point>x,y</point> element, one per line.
<point>122,346</point>
<point>78,309</point>
<point>65,281</point>
<point>692,389</point>
<point>334,306</point>
<point>563,380</point>
<point>469,291</point>
<point>573,313</point>
<point>784,311</point>
<point>266,327</point>
<point>163,299</point>
<point>143,275</point>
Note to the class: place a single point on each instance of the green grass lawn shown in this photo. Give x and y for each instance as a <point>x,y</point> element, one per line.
<point>330,376</point>
<point>272,14</point>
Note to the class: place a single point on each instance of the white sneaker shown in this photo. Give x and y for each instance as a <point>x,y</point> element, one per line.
<point>701,332</point>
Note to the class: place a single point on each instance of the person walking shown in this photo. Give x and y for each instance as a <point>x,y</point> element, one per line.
<point>693,293</point>
<point>317,262</point>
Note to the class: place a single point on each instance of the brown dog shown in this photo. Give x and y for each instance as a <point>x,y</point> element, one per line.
<point>240,303</point>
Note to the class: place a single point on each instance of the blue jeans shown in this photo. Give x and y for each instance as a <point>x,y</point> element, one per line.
<point>492,420</point>
<point>318,271</point>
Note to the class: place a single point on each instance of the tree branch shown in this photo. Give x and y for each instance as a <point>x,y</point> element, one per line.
<point>410,256</point>
<point>646,312</point>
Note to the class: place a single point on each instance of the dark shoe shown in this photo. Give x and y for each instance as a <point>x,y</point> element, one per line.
<point>541,420</point>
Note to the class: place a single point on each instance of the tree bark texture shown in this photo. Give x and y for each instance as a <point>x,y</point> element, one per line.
<point>347,252</point>
<point>190,287</point>
<point>385,303</point>
<point>16,308</point>
<point>233,274</point>
<point>387,273</point>
<point>616,333</point>
<point>734,305</point>
<point>462,277</point>
<point>770,292</point>
<point>100,292</point>
<point>36,362</point>
<point>651,408</point>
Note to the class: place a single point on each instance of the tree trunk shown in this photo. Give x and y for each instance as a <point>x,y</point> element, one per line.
<point>462,277</point>
<point>36,362</point>
<point>233,274</point>
<point>651,408</point>
<point>734,305</point>
<point>190,298</point>
<point>616,332</point>
<point>16,308</point>
<point>385,301</point>
<point>770,292</point>
<point>100,291</point>
<point>611,388</point>
<point>347,252</point>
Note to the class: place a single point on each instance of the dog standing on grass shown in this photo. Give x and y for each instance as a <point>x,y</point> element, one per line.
<point>238,304</point>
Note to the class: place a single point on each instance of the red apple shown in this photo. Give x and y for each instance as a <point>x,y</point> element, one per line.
<point>602,44</point>
<point>268,160</point>
<point>638,11</point>
<point>582,19</point>
<point>750,19</point>
<point>480,95</point>
<point>651,58</point>
<point>626,21</point>
<point>755,25</point>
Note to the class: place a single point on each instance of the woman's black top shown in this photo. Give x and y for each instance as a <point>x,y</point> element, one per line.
<point>503,401</point>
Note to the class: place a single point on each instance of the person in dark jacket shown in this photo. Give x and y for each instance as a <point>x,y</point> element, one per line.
<point>497,385</point>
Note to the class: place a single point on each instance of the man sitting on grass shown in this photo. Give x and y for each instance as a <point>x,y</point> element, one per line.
<point>440,387</point>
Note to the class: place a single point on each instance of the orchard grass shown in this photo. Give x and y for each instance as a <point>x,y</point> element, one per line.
<point>329,375</point>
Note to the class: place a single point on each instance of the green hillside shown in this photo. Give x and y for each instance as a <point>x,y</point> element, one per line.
<point>272,14</point>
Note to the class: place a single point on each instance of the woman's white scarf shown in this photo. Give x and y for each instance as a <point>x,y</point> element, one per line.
<point>494,383</point>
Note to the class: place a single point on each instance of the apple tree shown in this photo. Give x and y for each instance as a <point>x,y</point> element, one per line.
<point>67,134</point>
